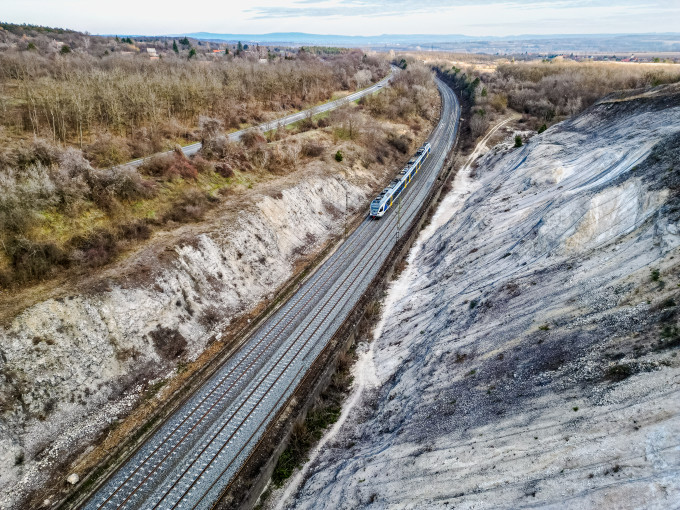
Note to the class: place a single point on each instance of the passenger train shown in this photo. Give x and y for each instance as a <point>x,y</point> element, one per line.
<point>387,196</point>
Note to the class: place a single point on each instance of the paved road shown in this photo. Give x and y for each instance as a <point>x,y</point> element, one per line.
<point>189,461</point>
<point>188,150</point>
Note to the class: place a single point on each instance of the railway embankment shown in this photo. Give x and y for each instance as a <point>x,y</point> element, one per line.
<point>528,354</point>
<point>77,366</point>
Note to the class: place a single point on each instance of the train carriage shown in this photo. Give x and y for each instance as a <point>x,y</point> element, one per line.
<point>386,198</point>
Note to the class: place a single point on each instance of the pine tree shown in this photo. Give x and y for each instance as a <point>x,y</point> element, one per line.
<point>239,48</point>
<point>226,50</point>
<point>192,52</point>
<point>174,47</point>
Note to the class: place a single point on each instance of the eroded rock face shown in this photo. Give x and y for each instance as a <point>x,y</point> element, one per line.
<point>533,357</point>
<point>70,366</point>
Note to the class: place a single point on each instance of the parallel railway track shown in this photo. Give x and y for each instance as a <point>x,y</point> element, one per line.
<point>193,457</point>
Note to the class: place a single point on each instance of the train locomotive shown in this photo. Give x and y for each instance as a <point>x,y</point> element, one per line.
<point>384,201</point>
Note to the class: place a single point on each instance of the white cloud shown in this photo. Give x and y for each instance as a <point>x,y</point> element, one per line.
<point>350,17</point>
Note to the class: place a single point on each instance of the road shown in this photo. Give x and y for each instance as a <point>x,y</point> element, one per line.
<point>188,150</point>
<point>194,455</point>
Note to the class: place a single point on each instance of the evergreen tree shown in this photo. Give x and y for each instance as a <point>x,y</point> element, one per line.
<point>192,52</point>
<point>226,50</point>
<point>174,47</point>
<point>239,48</point>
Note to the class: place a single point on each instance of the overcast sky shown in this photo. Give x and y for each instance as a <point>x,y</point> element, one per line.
<point>350,17</point>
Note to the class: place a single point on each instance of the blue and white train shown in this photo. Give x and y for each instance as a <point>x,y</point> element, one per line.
<point>384,201</point>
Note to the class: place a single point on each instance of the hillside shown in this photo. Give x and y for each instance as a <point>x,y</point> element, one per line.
<point>528,354</point>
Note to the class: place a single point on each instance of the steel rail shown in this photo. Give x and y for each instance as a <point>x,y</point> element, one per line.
<point>309,337</point>
<point>336,265</point>
<point>343,256</point>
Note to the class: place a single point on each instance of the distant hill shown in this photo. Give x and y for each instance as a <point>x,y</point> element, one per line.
<point>596,43</point>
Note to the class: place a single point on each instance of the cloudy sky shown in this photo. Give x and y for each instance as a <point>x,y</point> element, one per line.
<point>350,17</point>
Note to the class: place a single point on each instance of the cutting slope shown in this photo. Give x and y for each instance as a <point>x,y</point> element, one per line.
<point>533,359</point>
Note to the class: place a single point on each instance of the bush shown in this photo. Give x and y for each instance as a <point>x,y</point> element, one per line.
<point>338,156</point>
<point>170,166</point>
<point>518,141</point>
<point>169,343</point>
<point>108,151</point>
<point>619,372</point>
<point>312,149</point>
<point>95,249</point>
<point>32,261</point>
<point>252,138</point>
<point>137,230</point>
<point>542,128</point>
<point>41,151</point>
<point>478,125</point>
<point>202,165</point>
<point>215,148</point>
<point>191,206</point>
<point>210,127</point>
<point>225,170</point>
<point>402,143</point>
<point>123,183</point>
<point>210,317</point>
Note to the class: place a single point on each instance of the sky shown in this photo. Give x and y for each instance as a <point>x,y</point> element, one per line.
<point>350,17</point>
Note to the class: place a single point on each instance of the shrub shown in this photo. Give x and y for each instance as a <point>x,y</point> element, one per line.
<point>191,206</point>
<point>215,148</point>
<point>338,156</point>
<point>225,170</point>
<point>170,166</point>
<point>655,275</point>
<point>478,125</point>
<point>252,138</point>
<point>542,128</point>
<point>202,165</point>
<point>40,151</point>
<point>32,261</point>
<point>210,317</point>
<point>210,127</point>
<point>518,141</point>
<point>402,143</point>
<point>619,372</point>
<point>65,49</point>
<point>122,183</point>
<point>312,149</point>
<point>137,230</point>
<point>95,249</point>
<point>169,343</point>
<point>108,151</point>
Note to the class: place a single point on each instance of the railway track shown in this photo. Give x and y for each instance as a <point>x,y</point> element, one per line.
<point>196,453</point>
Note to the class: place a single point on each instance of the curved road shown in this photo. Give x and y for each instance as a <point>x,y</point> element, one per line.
<point>194,455</point>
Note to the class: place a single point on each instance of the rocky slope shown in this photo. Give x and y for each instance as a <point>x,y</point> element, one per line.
<point>73,364</point>
<point>529,352</point>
